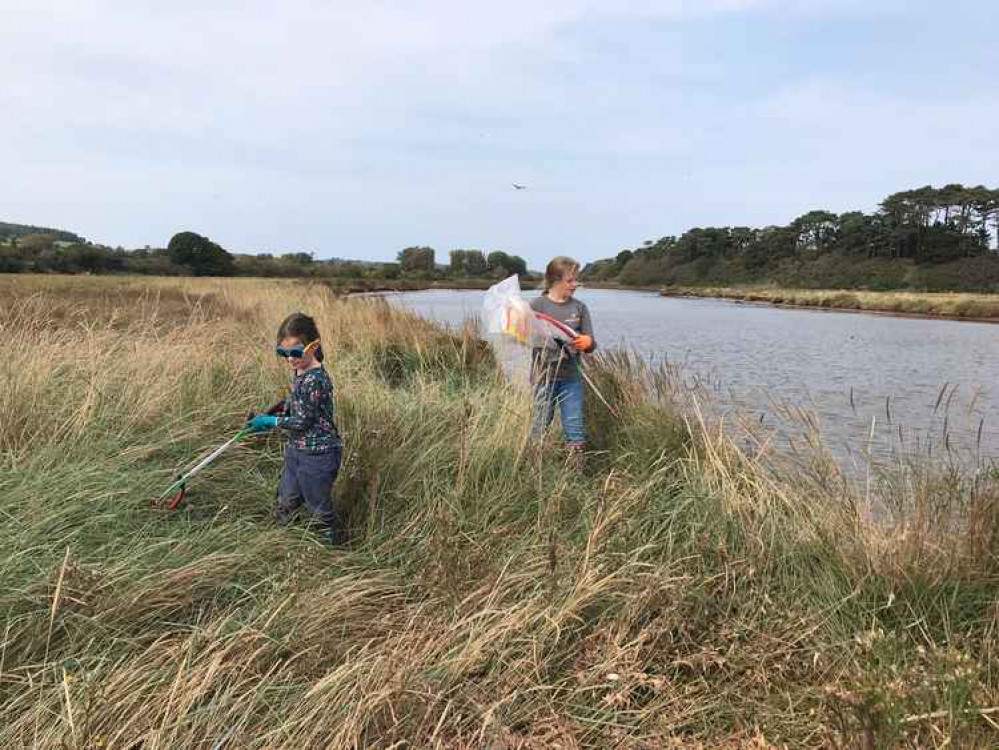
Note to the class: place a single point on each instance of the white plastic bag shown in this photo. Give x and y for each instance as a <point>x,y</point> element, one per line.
<point>509,314</point>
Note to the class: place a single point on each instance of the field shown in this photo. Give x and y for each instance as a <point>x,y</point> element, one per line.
<point>936,304</point>
<point>675,593</point>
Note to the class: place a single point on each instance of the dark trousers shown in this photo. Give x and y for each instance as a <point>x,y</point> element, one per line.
<point>307,478</point>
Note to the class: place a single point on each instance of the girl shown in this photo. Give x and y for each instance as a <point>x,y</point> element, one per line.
<point>555,368</point>
<point>312,455</point>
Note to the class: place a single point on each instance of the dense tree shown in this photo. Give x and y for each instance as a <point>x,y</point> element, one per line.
<point>200,255</point>
<point>417,260</point>
<point>503,264</point>
<point>468,263</point>
<point>816,230</point>
<point>925,227</point>
<point>302,259</point>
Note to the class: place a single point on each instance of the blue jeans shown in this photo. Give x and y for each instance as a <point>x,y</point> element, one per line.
<point>307,478</point>
<point>568,396</point>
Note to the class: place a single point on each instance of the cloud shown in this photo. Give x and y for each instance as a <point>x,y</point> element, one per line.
<point>356,128</point>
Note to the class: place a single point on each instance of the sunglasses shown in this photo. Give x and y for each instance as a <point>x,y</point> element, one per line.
<point>295,352</point>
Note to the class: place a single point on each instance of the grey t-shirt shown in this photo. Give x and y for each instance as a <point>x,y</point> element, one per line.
<point>551,361</point>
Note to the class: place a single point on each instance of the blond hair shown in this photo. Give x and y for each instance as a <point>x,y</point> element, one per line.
<point>557,269</point>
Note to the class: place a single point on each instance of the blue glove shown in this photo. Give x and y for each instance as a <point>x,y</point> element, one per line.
<point>262,423</point>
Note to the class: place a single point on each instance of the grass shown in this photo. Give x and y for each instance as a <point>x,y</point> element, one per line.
<point>937,304</point>
<point>676,592</point>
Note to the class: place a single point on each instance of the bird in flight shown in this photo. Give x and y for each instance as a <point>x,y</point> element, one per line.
<point>519,187</point>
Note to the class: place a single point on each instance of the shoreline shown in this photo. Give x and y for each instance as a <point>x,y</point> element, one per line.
<point>380,286</point>
<point>954,306</point>
<point>822,300</point>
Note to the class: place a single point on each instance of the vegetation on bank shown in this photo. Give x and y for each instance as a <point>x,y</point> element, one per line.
<point>28,249</point>
<point>676,592</point>
<point>9,232</point>
<point>943,304</point>
<point>928,239</point>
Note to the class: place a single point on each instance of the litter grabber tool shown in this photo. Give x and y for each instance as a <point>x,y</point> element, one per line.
<point>174,495</point>
<point>568,336</point>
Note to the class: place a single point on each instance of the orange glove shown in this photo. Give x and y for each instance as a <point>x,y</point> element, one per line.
<point>583,343</point>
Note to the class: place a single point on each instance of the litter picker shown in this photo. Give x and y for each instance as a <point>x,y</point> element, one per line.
<point>174,495</point>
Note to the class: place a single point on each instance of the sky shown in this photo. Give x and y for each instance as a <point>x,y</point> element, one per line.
<point>355,129</point>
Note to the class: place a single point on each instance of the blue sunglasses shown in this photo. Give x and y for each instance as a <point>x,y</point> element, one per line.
<point>295,352</point>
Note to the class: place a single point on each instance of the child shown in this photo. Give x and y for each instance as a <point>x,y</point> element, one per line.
<point>312,455</point>
<point>555,368</point>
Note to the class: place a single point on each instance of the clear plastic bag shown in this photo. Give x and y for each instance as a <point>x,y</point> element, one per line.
<point>509,314</point>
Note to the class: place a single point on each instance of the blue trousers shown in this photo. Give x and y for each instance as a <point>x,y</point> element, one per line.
<point>307,478</point>
<point>567,395</point>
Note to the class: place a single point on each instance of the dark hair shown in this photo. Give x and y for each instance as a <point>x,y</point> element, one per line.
<point>300,326</point>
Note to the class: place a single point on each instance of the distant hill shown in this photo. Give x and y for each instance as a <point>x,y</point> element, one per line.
<point>10,231</point>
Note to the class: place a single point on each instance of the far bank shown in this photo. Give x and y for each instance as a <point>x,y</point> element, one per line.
<point>951,305</point>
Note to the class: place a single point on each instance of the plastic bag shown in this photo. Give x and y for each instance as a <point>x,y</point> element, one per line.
<point>506,312</point>
<point>509,314</point>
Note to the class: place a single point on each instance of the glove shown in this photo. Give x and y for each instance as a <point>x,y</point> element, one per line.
<point>262,423</point>
<point>583,343</point>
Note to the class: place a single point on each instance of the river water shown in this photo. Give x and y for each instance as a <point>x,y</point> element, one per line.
<point>872,385</point>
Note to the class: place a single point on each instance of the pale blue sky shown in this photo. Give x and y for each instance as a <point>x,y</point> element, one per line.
<point>356,129</point>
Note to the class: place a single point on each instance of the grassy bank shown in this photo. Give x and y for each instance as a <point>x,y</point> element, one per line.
<point>361,286</point>
<point>675,592</point>
<point>936,304</point>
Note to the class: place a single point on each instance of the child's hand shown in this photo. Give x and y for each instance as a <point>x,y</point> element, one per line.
<point>583,343</point>
<point>261,423</point>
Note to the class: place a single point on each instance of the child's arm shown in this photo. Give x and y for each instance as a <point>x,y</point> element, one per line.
<point>585,337</point>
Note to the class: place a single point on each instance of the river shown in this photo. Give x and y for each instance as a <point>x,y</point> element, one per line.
<point>874,385</point>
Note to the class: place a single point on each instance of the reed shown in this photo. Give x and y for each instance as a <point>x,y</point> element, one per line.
<point>678,591</point>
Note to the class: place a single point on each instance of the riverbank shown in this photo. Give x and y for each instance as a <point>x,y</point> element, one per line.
<point>958,306</point>
<point>369,286</point>
<point>675,592</point>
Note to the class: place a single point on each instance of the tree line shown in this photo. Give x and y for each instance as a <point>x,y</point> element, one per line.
<point>10,232</point>
<point>463,263</point>
<point>927,238</point>
<point>25,250</point>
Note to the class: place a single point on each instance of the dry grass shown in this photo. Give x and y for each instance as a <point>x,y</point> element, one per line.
<point>677,594</point>
<point>938,304</point>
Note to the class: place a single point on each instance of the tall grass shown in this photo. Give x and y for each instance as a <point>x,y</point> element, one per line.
<point>676,592</point>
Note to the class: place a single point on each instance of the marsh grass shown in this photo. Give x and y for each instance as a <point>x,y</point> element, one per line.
<point>937,304</point>
<point>677,591</point>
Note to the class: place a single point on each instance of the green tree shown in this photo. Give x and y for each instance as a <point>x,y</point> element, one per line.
<point>508,264</point>
<point>417,260</point>
<point>468,263</point>
<point>302,259</point>
<point>199,255</point>
<point>497,259</point>
<point>816,230</point>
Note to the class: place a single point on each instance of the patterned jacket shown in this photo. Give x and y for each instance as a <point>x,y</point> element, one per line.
<point>308,413</point>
